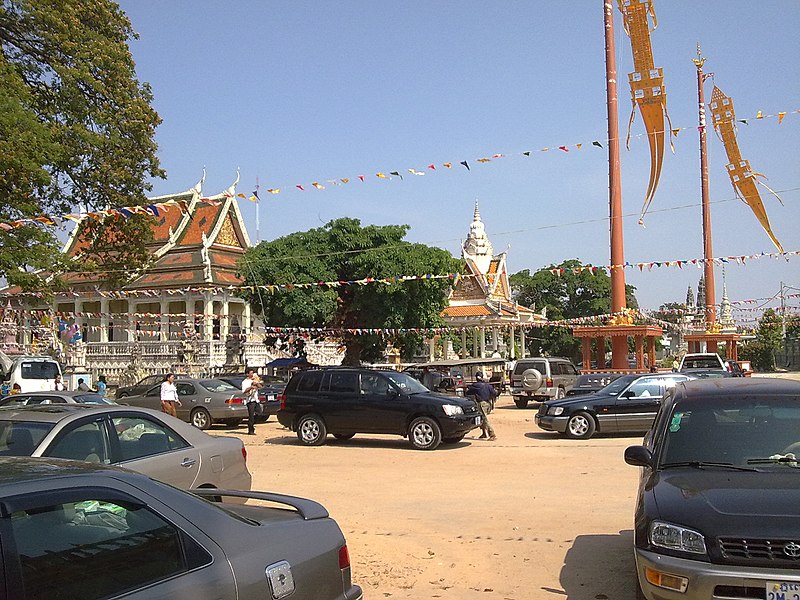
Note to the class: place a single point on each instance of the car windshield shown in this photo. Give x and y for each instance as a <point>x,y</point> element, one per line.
<point>616,386</point>
<point>91,399</point>
<point>20,438</point>
<point>701,362</point>
<point>523,366</point>
<point>739,431</point>
<point>40,369</point>
<point>406,383</point>
<point>216,385</point>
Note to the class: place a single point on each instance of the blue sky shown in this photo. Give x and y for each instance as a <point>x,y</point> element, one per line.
<point>300,92</point>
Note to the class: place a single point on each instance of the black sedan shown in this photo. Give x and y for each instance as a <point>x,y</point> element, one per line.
<point>627,404</point>
<point>589,383</point>
<point>72,530</point>
<point>717,507</point>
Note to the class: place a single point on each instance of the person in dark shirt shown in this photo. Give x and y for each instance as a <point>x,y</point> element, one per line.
<point>484,394</point>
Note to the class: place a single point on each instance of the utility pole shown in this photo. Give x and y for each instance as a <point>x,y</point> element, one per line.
<point>783,313</point>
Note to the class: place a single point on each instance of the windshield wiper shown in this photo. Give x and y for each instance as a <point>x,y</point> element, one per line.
<point>699,464</point>
<point>775,459</point>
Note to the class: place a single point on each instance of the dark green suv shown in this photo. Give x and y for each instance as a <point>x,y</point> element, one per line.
<point>346,401</point>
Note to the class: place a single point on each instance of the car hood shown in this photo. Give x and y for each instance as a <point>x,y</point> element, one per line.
<point>443,399</point>
<point>580,399</point>
<point>729,502</point>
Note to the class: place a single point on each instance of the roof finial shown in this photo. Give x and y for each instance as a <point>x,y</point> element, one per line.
<point>232,189</point>
<point>477,215</point>
<point>199,186</point>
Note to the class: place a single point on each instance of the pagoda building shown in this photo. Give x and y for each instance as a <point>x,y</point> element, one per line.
<point>481,300</point>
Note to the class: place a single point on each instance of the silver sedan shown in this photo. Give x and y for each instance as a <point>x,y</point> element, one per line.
<point>139,439</point>
<point>56,397</point>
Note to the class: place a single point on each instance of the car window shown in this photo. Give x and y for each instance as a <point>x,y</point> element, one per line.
<point>39,370</point>
<point>644,387</point>
<point>217,385</point>
<point>406,384</point>
<point>346,382</point>
<point>151,380</point>
<point>15,400</point>
<point>140,437</point>
<point>156,391</point>
<point>309,381</point>
<point>123,548</point>
<point>374,385</point>
<point>523,366</point>
<point>20,438</point>
<point>187,389</point>
<point>90,399</point>
<point>84,442</point>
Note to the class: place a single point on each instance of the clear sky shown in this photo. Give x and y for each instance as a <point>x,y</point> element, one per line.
<point>298,92</point>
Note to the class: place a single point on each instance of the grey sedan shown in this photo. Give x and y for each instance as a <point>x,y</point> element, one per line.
<point>62,397</point>
<point>76,530</point>
<point>203,402</point>
<point>142,440</point>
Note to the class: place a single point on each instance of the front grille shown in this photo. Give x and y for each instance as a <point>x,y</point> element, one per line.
<point>543,409</point>
<point>740,592</point>
<point>771,552</point>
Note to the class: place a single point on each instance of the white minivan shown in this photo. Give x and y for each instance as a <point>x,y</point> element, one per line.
<point>31,373</point>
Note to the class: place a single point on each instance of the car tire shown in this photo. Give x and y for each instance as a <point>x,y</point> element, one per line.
<point>121,396</point>
<point>311,430</point>
<point>531,380</point>
<point>425,433</point>
<point>560,394</point>
<point>521,402</point>
<point>200,418</point>
<point>580,426</point>
<point>343,437</point>
<point>453,440</point>
<point>233,422</point>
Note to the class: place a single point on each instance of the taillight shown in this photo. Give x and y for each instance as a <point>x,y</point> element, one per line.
<point>234,400</point>
<point>344,557</point>
<point>282,400</point>
<point>548,382</point>
<point>244,453</point>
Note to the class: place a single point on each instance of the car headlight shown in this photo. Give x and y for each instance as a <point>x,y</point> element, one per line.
<point>666,535</point>
<point>555,410</point>
<point>452,410</point>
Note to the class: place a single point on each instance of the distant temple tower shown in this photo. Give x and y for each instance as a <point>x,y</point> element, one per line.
<point>477,246</point>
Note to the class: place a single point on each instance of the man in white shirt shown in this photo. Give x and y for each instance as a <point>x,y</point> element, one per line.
<point>250,385</point>
<point>169,396</point>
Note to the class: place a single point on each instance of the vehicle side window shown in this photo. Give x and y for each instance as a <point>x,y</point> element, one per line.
<point>374,385</point>
<point>156,391</point>
<point>117,549</point>
<point>140,437</point>
<point>346,382</point>
<point>572,369</point>
<point>56,400</point>
<point>309,381</point>
<point>85,442</point>
<point>185,389</point>
<point>644,387</point>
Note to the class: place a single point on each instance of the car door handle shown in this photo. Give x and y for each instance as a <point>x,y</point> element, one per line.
<point>188,462</point>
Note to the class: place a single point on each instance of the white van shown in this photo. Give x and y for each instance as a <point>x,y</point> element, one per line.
<point>31,373</point>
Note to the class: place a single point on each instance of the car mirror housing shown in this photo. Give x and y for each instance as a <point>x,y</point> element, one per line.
<point>638,456</point>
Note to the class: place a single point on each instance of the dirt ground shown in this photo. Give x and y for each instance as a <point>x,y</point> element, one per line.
<point>529,516</point>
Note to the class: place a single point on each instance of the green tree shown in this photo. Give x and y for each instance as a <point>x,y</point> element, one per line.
<point>76,129</point>
<point>769,339</point>
<point>343,250</point>
<point>566,295</point>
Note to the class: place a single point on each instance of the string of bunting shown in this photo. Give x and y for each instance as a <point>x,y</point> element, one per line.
<point>156,208</point>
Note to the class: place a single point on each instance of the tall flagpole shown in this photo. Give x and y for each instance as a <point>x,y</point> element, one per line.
<point>258,209</point>
<point>619,344</point>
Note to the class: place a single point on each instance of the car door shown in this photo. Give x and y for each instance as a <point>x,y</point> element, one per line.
<point>150,399</point>
<point>637,405</point>
<point>344,410</point>
<point>145,444</point>
<point>383,408</point>
<point>191,396</point>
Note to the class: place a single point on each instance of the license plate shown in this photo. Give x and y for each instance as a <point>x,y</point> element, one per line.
<point>477,420</point>
<point>271,398</point>
<point>783,590</point>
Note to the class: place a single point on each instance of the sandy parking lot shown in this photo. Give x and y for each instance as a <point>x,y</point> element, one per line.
<point>529,516</point>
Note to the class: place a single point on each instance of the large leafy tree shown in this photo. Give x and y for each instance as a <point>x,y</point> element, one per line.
<point>769,340</point>
<point>76,130</point>
<point>343,250</point>
<point>566,295</point>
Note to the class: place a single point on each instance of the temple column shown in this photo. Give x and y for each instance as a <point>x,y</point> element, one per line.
<point>522,342</point>
<point>78,316</point>
<point>224,323</point>
<point>586,353</point>
<point>494,340</point>
<point>163,327</point>
<point>474,342</point>
<point>651,351</point>
<point>463,343</point>
<point>104,319</point>
<point>246,316</point>
<point>601,352</point>
<point>512,351</point>
<point>431,348</point>
<point>208,317</point>
<point>639,352</point>
<point>188,304</point>
<point>482,342</point>
<point>131,333</point>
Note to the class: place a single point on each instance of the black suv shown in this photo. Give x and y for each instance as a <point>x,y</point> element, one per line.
<point>345,401</point>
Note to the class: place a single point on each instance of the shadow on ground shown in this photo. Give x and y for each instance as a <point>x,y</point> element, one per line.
<point>600,567</point>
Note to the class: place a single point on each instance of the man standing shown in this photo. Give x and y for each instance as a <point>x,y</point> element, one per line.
<point>169,396</point>
<point>82,386</point>
<point>484,394</point>
<point>102,385</point>
<point>250,385</point>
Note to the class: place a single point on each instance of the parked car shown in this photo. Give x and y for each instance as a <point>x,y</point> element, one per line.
<point>62,397</point>
<point>627,404</point>
<point>347,401</point>
<point>588,383</point>
<point>542,378</point>
<point>717,505</point>
<point>445,379</point>
<point>702,360</point>
<point>30,373</point>
<point>75,530</point>
<point>143,440</point>
<point>203,402</point>
<point>140,387</point>
<point>267,394</point>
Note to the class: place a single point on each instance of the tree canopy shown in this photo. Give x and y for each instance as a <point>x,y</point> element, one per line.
<point>76,129</point>
<point>343,250</point>
<point>567,295</point>
<point>769,339</point>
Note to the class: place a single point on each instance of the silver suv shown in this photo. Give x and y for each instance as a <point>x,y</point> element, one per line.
<point>542,378</point>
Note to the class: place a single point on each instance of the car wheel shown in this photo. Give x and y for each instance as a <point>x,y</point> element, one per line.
<point>560,393</point>
<point>343,436</point>
<point>425,433</point>
<point>122,395</point>
<point>200,418</point>
<point>521,402</point>
<point>531,380</point>
<point>311,430</point>
<point>453,440</point>
<point>580,426</point>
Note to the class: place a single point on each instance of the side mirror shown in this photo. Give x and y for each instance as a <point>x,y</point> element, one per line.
<point>628,394</point>
<point>638,456</point>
